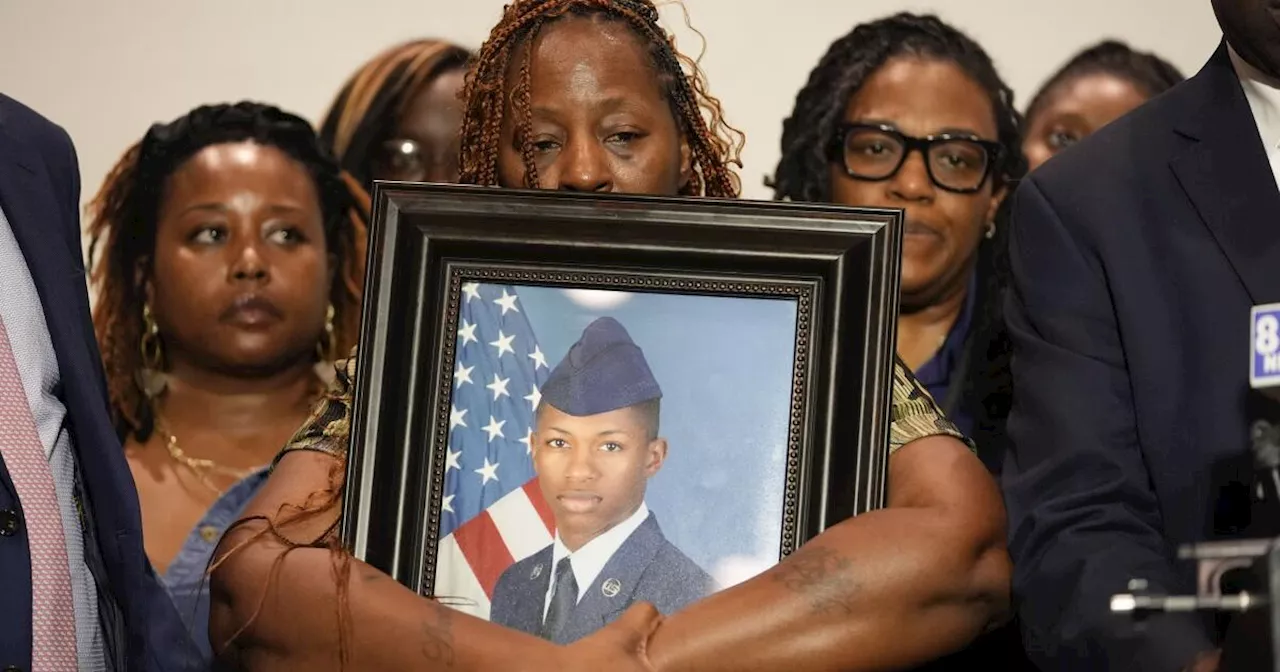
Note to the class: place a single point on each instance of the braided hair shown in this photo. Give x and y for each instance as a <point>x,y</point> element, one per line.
<point>803,174</point>
<point>122,223</point>
<point>715,145</point>
<point>1148,72</point>
<point>370,103</point>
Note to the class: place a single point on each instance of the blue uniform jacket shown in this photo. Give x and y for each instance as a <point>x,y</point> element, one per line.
<point>646,568</point>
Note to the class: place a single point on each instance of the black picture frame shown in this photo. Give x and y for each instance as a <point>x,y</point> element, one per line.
<point>841,265</point>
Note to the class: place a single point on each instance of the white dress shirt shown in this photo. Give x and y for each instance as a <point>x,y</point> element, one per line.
<point>587,562</point>
<point>32,347</point>
<point>1263,94</point>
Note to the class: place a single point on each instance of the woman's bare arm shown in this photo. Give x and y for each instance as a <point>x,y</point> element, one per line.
<point>886,590</point>
<point>286,600</point>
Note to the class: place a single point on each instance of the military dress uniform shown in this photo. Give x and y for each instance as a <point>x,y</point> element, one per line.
<point>646,568</point>
<point>563,596</point>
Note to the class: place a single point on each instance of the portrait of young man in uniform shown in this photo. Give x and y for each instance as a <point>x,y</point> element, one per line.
<point>595,445</point>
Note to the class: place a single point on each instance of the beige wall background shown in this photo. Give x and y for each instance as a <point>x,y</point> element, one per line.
<point>106,70</point>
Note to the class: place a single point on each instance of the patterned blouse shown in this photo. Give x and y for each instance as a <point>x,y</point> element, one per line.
<point>914,414</point>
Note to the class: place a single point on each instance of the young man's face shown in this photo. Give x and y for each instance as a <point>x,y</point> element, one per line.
<point>593,469</point>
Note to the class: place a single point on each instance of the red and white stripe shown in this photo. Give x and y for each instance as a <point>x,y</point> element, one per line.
<point>473,557</point>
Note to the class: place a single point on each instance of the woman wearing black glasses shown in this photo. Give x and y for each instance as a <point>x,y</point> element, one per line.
<point>907,112</point>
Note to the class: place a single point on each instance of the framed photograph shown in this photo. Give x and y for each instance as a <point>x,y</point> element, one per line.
<point>567,403</point>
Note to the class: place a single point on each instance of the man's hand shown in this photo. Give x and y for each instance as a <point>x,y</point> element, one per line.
<point>621,646</point>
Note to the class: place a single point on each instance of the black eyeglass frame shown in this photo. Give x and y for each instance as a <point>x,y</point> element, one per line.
<point>836,152</point>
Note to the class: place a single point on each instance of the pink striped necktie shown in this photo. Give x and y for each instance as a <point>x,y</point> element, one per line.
<point>53,617</point>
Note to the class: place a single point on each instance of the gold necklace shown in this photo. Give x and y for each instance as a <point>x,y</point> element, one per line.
<point>202,468</point>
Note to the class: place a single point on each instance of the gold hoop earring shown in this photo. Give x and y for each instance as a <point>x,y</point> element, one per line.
<point>152,351</point>
<point>150,377</point>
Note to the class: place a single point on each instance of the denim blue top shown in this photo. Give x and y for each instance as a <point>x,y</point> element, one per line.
<point>187,578</point>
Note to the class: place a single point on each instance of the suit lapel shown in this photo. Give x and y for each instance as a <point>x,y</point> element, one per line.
<point>57,270</point>
<point>531,600</point>
<point>36,217</point>
<point>613,590</point>
<point>1226,174</point>
<point>19,181</point>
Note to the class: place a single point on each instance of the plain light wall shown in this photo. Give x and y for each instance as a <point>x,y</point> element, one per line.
<point>107,70</point>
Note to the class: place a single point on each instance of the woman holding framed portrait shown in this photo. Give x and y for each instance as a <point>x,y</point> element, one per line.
<point>591,95</point>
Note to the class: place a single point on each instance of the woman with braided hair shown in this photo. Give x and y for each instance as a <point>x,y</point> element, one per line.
<point>591,95</point>
<point>228,254</point>
<point>671,140</point>
<point>886,89</point>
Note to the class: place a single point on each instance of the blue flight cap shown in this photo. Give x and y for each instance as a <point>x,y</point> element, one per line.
<point>604,371</point>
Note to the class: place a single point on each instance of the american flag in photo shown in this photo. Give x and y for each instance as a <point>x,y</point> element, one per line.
<point>492,511</point>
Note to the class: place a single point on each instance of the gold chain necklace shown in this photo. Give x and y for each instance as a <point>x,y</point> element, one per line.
<point>202,468</point>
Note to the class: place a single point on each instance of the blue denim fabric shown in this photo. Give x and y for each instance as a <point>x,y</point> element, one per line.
<point>187,578</point>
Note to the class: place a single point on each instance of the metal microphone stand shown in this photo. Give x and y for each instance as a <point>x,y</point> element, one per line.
<point>1241,577</point>
<point>1254,562</point>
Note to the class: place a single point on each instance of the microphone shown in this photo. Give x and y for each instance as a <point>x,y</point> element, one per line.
<point>1240,578</point>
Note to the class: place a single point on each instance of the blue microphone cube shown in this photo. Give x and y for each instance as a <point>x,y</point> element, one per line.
<point>1264,336</point>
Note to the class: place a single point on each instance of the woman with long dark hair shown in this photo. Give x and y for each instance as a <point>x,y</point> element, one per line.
<point>909,112</point>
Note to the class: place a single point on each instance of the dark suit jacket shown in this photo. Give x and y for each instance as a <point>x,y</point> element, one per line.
<point>1136,256</point>
<point>40,196</point>
<point>646,568</point>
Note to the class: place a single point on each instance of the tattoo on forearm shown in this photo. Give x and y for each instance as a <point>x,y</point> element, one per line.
<point>437,643</point>
<point>823,576</point>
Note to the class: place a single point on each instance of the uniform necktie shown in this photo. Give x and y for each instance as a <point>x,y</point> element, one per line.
<point>53,618</point>
<point>563,599</point>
